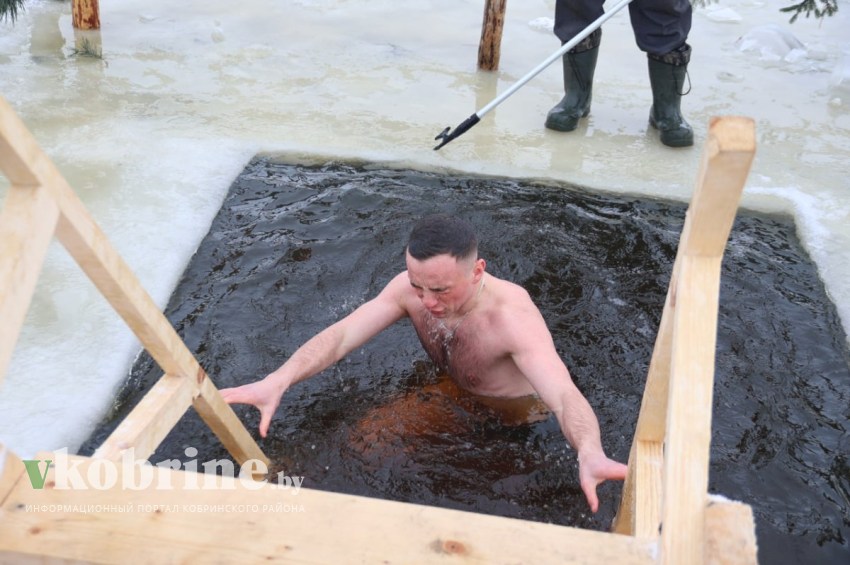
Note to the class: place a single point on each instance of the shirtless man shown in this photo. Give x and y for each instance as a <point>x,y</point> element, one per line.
<point>483,331</point>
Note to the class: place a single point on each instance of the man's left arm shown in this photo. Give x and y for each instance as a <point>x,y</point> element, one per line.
<point>533,351</point>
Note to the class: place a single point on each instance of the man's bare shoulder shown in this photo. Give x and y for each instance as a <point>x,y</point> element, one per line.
<point>515,315</point>
<point>510,295</point>
<point>399,291</point>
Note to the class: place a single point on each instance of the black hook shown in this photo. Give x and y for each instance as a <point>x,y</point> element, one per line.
<point>447,136</point>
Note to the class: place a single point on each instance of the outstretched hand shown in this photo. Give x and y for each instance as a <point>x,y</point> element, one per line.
<point>263,395</point>
<point>594,470</point>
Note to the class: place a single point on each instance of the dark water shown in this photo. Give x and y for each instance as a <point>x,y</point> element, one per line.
<point>295,248</point>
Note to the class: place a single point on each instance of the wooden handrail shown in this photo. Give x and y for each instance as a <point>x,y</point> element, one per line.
<point>41,200</point>
<point>666,490</point>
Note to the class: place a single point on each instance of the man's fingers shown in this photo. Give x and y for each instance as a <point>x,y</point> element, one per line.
<point>618,472</point>
<point>265,421</point>
<point>231,395</point>
<point>590,493</point>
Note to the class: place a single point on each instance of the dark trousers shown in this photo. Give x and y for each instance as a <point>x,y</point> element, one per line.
<point>660,26</point>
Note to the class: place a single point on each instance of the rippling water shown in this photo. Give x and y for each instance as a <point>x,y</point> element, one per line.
<point>294,248</point>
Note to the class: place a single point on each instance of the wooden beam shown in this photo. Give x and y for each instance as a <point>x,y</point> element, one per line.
<point>91,249</point>
<point>265,523</point>
<point>27,223</point>
<point>727,158</point>
<point>707,225</point>
<point>689,418</point>
<point>652,420</point>
<point>144,428</point>
<point>201,525</point>
<point>490,45</point>
<point>726,163</point>
<point>15,158</point>
<point>11,472</point>
<point>219,416</point>
<point>648,485</point>
<point>651,424</point>
<point>730,533</point>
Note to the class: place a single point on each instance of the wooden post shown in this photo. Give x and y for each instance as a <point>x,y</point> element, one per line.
<point>729,153</point>
<point>640,506</point>
<point>676,407</point>
<point>489,48</point>
<point>730,533</point>
<point>86,14</point>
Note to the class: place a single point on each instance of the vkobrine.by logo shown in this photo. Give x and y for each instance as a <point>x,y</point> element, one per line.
<point>137,474</point>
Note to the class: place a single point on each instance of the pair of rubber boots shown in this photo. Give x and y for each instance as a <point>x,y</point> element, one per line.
<point>666,77</point>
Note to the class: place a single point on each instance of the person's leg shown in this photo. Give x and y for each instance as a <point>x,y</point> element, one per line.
<point>572,16</point>
<point>661,29</point>
<point>436,409</point>
<point>388,429</point>
<point>579,64</point>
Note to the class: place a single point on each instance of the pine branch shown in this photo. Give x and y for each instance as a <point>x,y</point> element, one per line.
<point>9,9</point>
<point>819,8</point>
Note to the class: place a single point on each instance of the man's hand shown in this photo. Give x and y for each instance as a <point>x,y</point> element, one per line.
<point>263,395</point>
<point>594,469</point>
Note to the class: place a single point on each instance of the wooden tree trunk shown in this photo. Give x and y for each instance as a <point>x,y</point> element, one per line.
<point>489,49</point>
<point>86,14</point>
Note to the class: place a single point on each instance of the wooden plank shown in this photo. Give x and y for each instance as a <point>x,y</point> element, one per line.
<point>17,148</point>
<point>144,428</point>
<point>27,223</point>
<point>689,417</point>
<point>640,505</point>
<point>624,520</point>
<point>729,152</point>
<point>705,232</point>
<point>92,250</point>
<point>90,247</point>
<point>723,171</point>
<point>110,274</point>
<point>726,161</point>
<point>490,45</point>
<point>184,525</point>
<point>648,485</point>
<point>12,471</point>
<point>652,418</point>
<point>730,533</point>
<point>220,416</point>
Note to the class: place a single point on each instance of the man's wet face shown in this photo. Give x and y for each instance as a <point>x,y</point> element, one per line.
<point>442,283</point>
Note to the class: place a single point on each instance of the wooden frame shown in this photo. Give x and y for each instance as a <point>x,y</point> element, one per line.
<point>666,515</point>
<point>39,204</point>
<point>666,490</point>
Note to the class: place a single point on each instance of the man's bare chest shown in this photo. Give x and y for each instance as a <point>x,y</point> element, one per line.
<point>464,350</point>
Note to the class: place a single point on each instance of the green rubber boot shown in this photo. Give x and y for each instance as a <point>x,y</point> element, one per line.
<point>579,64</point>
<point>667,77</point>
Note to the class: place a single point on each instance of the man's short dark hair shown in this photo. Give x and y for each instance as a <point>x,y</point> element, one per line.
<point>440,234</point>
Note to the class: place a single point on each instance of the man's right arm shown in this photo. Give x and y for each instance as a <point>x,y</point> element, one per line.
<point>323,350</point>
